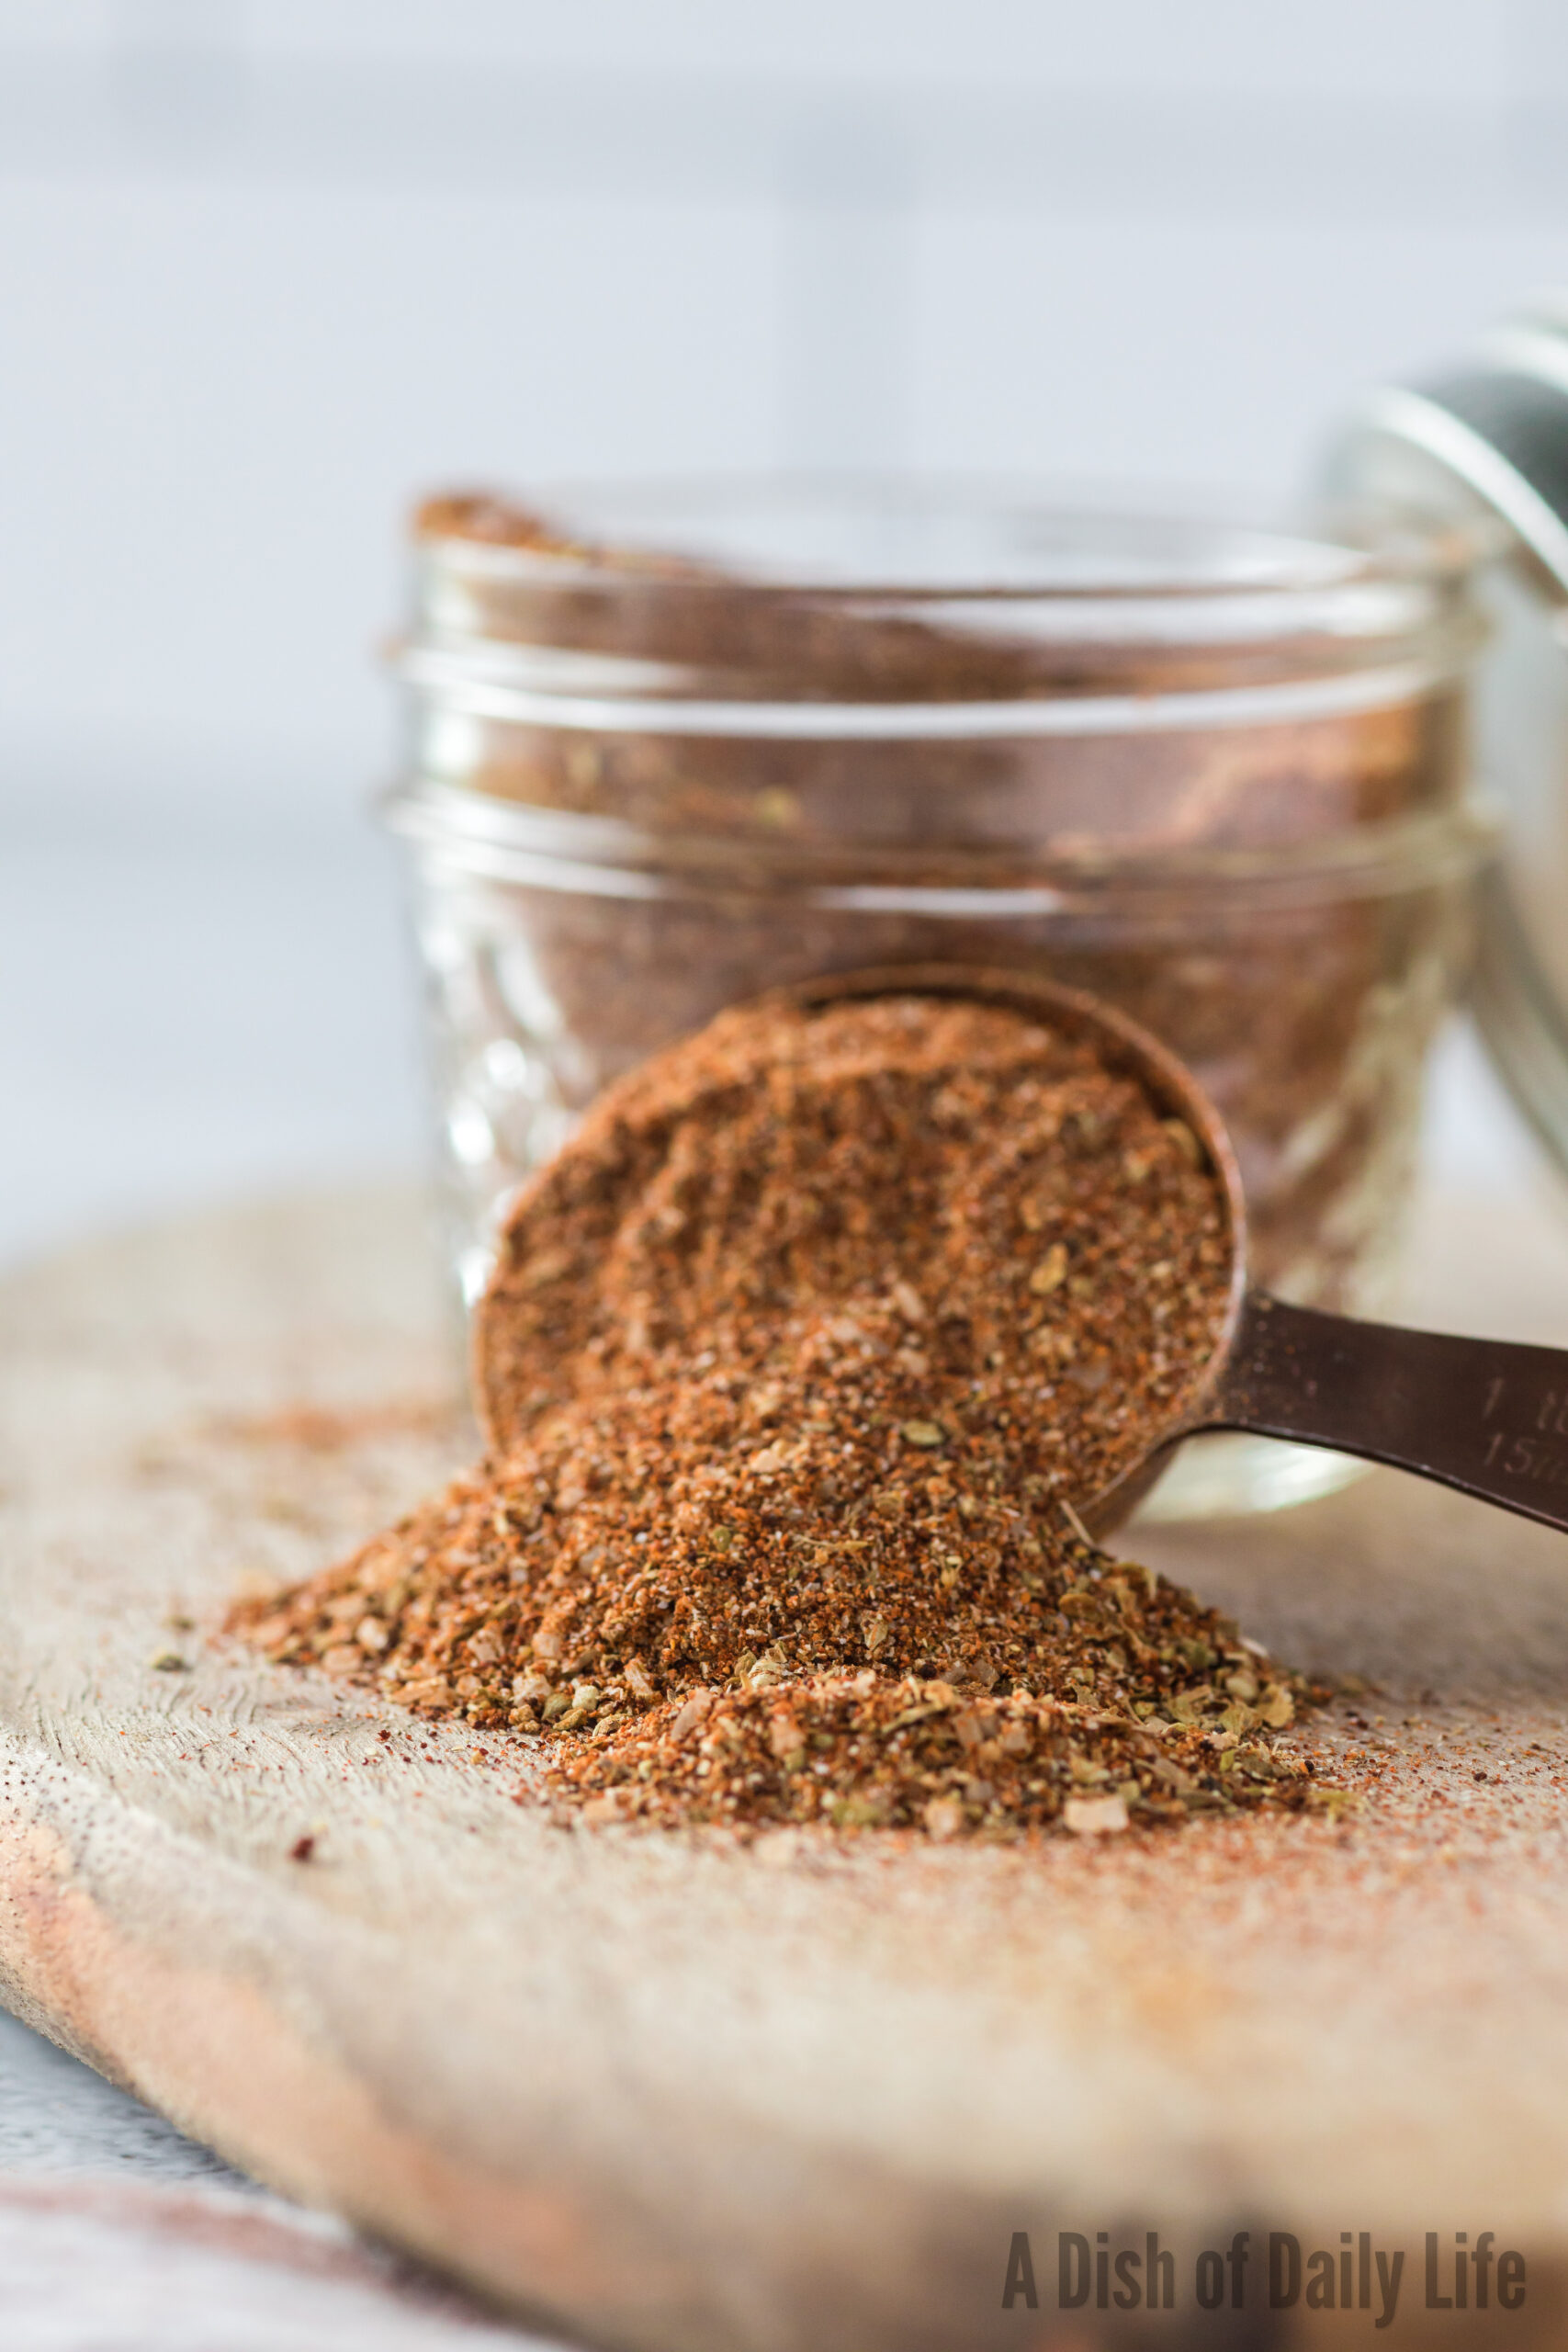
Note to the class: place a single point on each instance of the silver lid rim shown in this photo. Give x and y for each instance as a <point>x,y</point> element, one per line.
<point>1421,421</point>
<point>1492,432</point>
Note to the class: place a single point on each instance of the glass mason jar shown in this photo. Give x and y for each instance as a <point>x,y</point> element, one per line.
<point>668,748</point>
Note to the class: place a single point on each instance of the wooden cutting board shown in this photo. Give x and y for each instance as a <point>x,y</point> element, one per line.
<point>684,2094</point>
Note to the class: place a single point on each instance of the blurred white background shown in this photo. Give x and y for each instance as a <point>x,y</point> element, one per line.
<point>267,269</point>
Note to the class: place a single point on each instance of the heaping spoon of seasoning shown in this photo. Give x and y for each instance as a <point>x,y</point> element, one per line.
<point>1488,1417</point>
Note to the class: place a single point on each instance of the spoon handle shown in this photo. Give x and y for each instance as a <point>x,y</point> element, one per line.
<point>1489,1417</point>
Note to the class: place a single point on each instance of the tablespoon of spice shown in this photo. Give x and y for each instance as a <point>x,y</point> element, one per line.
<point>1487,1416</point>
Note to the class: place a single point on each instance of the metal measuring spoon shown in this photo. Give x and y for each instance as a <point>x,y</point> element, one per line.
<point>1489,1417</point>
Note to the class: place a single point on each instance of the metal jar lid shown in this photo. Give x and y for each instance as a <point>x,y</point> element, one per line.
<point>1482,446</point>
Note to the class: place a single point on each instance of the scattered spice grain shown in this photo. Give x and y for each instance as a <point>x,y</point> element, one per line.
<point>794,1366</point>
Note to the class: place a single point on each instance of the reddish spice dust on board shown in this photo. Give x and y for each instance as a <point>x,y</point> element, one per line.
<point>794,1362</point>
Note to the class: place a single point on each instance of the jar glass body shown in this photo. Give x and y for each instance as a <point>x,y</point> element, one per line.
<point>699,744</point>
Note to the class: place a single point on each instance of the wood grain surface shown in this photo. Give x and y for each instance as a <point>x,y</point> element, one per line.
<point>685,2093</point>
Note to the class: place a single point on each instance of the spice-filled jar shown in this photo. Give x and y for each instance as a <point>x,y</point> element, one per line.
<point>669,747</point>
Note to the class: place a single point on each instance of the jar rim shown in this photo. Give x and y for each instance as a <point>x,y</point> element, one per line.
<point>498,840</point>
<point>962,592</point>
<point>922,538</point>
<point>511,685</point>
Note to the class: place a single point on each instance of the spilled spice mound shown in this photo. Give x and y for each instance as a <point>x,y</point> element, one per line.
<point>795,1364</point>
